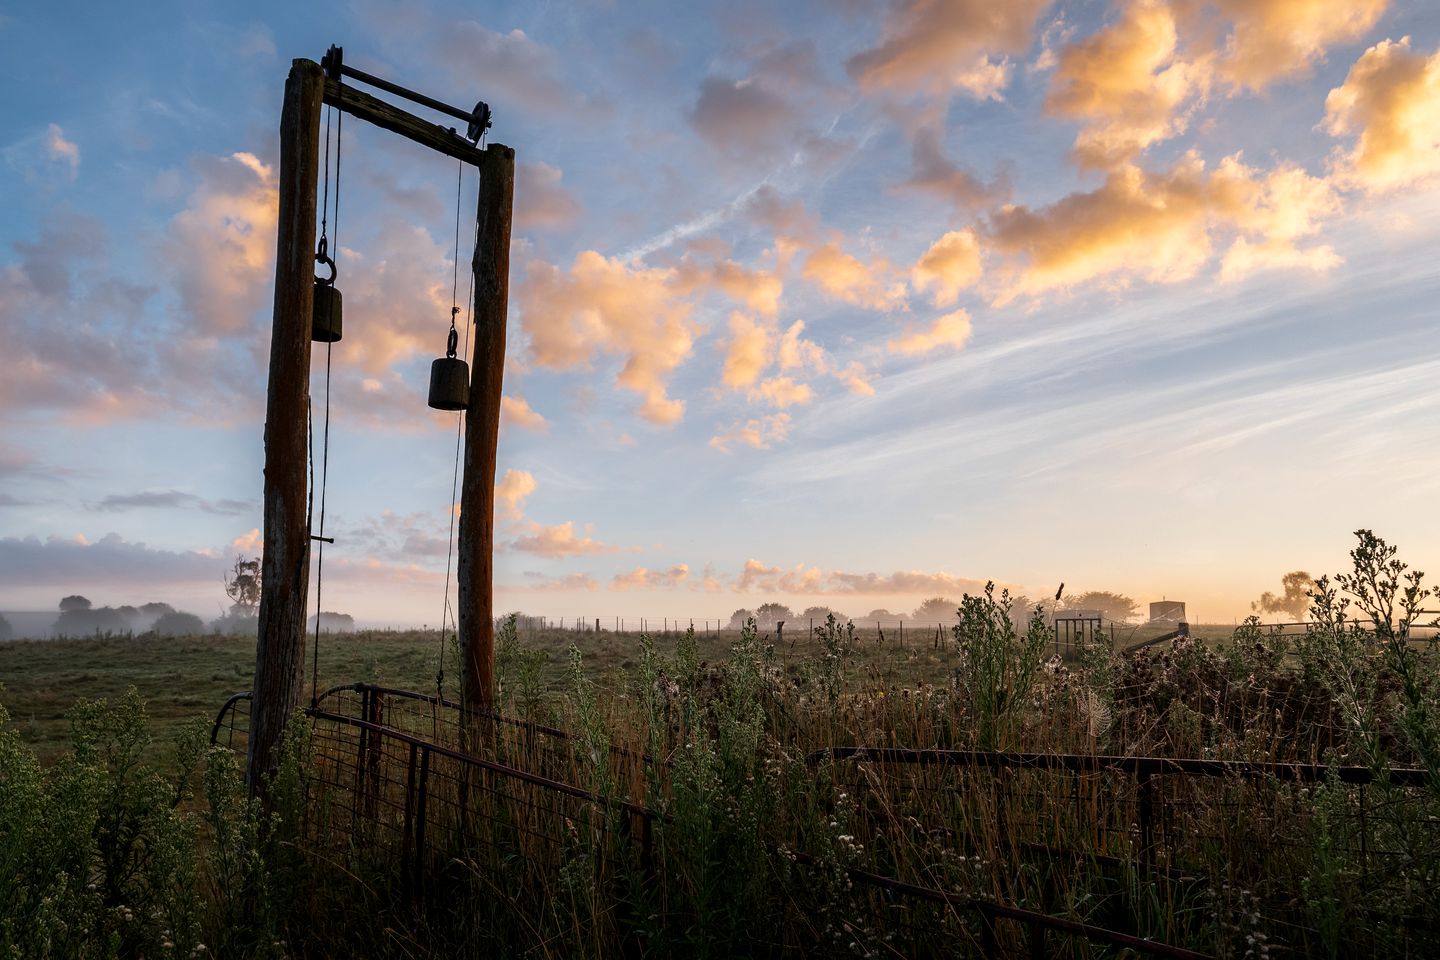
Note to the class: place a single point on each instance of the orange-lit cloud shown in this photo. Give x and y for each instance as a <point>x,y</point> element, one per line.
<point>642,578</point>
<point>939,46</point>
<point>559,541</point>
<point>511,492</point>
<point>782,392</point>
<point>1159,227</point>
<point>604,305</point>
<point>1271,39</point>
<point>397,298</point>
<point>517,410</point>
<point>844,277</point>
<point>1390,104</point>
<point>950,265</point>
<point>747,352</point>
<point>759,433</point>
<point>248,543</point>
<point>221,247</point>
<point>1125,84</point>
<point>951,330</point>
<point>758,289</point>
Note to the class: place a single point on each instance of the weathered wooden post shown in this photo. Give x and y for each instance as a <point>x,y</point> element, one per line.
<point>285,569</point>
<point>476,548</point>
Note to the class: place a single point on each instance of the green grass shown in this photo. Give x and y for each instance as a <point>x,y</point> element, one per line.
<point>185,678</point>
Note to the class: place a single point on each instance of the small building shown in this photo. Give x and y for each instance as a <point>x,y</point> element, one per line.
<point>1167,611</point>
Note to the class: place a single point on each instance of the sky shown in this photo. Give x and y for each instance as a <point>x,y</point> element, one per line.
<point>842,302</point>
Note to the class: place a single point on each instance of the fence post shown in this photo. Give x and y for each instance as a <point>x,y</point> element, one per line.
<point>1147,816</point>
<point>408,835</point>
<point>423,795</point>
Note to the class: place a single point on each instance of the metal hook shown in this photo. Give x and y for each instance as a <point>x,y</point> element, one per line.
<point>452,342</point>
<point>321,257</point>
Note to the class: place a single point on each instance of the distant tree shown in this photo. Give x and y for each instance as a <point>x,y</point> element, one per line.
<point>936,610</point>
<point>85,621</point>
<point>883,614</point>
<point>738,618</point>
<point>6,631</point>
<point>818,614</point>
<point>1112,606</point>
<point>156,609</point>
<point>1295,601</point>
<point>177,624</point>
<point>334,622</point>
<point>73,602</point>
<point>769,614</point>
<point>242,586</point>
<point>1020,610</point>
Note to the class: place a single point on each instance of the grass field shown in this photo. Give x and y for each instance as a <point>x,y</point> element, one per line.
<point>182,679</point>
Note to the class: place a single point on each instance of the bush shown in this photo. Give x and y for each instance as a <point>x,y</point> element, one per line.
<point>177,624</point>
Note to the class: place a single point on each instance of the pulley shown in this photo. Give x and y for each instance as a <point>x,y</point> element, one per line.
<point>450,376</point>
<point>326,317</point>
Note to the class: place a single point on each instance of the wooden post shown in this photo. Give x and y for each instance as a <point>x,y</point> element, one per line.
<point>285,570</point>
<point>476,548</point>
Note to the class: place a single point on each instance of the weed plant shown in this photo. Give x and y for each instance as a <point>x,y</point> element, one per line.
<point>756,841</point>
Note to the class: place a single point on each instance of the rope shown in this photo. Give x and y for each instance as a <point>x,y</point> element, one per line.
<point>325,442</point>
<point>447,614</point>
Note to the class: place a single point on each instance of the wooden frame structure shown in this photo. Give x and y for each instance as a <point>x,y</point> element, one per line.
<point>285,571</point>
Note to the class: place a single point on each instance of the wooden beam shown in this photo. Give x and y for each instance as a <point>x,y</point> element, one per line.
<point>285,570</point>
<point>476,620</point>
<point>357,103</point>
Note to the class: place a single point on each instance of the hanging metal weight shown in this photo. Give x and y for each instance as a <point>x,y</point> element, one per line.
<point>450,379</point>
<point>326,317</point>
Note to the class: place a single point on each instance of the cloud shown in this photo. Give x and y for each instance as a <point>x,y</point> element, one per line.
<point>759,433</point>
<point>843,277</point>
<point>950,265</point>
<point>1156,226</point>
<point>938,46</point>
<point>950,330</point>
<point>1390,103</point>
<point>757,577</point>
<point>512,69</point>
<point>573,581</point>
<point>173,500</point>
<point>607,306</point>
<point>1126,84</point>
<point>747,352</point>
<point>914,582</point>
<point>642,578</point>
<point>758,289</point>
<point>935,174</point>
<point>559,541</point>
<point>251,543</point>
<point>511,492</point>
<point>221,247</point>
<point>109,363</point>
<point>855,378</point>
<point>76,565</point>
<point>541,202</point>
<point>62,149</point>
<point>782,392</point>
<point>517,410</point>
<point>743,117</point>
<point>1270,39</point>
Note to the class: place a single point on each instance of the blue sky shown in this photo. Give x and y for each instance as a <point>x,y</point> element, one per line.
<point>846,303</point>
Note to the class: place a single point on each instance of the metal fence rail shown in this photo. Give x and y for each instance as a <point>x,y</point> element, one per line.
<point>382,784</point>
